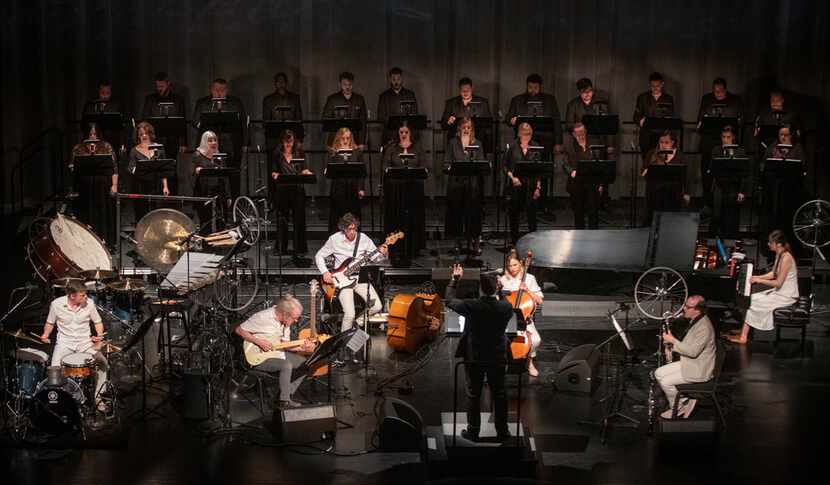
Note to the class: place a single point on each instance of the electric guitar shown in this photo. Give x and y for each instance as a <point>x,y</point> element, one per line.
<point>254,355</point>
<point>345,275</point>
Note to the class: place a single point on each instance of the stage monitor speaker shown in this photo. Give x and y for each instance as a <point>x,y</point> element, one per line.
<point>576,370</point>
<point>196,398</point>
<point>304,424</point>
<point>466,288</point>
<point>402,428</point>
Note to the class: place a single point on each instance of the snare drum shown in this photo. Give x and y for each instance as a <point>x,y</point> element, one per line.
<point>78,365</point>
<point>66,247</point>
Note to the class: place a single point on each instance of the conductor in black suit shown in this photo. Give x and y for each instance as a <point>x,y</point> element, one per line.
<point>484,343</point>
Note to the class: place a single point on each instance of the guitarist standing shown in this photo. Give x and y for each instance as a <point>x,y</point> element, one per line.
<point>347,243</point>
<point>270,326</point>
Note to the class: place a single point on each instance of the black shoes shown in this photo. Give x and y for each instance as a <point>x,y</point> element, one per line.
<point>469,435</point>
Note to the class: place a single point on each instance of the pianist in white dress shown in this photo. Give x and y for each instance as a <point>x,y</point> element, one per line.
<point>783,280</point>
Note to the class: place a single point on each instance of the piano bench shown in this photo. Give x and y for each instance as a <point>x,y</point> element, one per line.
<point>796,315</point>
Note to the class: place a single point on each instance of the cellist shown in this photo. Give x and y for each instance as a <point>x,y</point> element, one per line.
<point>513,280</point>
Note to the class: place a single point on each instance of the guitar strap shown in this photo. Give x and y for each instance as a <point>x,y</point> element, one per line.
<point>356,245</point>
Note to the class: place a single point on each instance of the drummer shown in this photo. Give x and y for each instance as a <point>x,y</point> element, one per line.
<point>72,314</point>
<point>511,281</point>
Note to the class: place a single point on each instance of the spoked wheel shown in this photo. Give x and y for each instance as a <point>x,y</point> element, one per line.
<point>236,289</point>
<point>811,224</point>
<point>660,293</point>
<point>246,216</point>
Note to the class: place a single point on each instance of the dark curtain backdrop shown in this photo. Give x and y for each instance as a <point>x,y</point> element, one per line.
<point>55,51</point>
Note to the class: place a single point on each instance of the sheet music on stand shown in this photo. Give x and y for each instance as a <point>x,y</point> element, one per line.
<point>203,270</point>
<point>358,340</point>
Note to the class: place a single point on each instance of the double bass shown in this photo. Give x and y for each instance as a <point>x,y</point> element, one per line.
<point>413,320</point>
<point>522,303</point>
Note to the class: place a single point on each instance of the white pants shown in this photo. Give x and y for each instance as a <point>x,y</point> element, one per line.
<point>346,297</point>
<point>535,339</point>
<point>669,376</point>
<point>284,367</point>
<point>62,349</point>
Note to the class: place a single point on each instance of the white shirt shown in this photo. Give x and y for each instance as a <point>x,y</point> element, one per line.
<point>73,324</point>
<point>265,324</point>
<point>509,283</point>
<point>342,249</point>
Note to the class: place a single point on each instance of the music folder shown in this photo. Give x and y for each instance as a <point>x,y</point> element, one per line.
<point>713,125</point>
<point>601,124</point>
<point>160,167</point>
<point>533,169</point>
<point>341,170</point>
<point>596,171</point>
<point>92,165</point>
<point>729,168</point>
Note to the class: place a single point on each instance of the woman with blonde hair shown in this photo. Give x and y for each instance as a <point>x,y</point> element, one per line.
<point>464,194</point>
<point>345,194</point>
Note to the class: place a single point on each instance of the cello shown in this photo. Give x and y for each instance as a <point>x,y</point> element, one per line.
<point>523,303</point>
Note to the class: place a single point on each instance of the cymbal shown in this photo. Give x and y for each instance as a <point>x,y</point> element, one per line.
<point>160,236</point>
<point>95,285</point>
<point>128,284</point>
<point>22,336</point>
<point>66,281</point>
<point>99,274</point>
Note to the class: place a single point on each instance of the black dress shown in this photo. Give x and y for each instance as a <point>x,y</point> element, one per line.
<point>404,205</point>
<point>143,184</point>
<point>584,196</point>
<point>94,205</point>
<point>343,196</point>
<point>465,195</point>
<point>784,192</point>
<point>726,210</point>
<point>646,107</point>
<point>207,186</point>
<point>521,198</point>
<point>230,137</point>
<point>289,201</point>
<point>663,194</point>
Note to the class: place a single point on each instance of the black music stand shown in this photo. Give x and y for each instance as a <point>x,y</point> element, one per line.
<point>139,336</point>
<point>325,352</point>
<point>597,172</point>
<point>601,124</point>
<point>273,128</point>
<point>537,122</point>
<point>93,165</point>
<point>405,174</point>
<point>474,168</point>
<point>369,274</point>
<point>662,123</point>
<point>713,125</point>
<point>289,179</point>
<point>169,126</point>
<point>345,170</point>
<point>672,172</point>
<point>331,125</point>
<point>160,167</point>
<point>414,121</point>
<point>768,132</point>
<point>223,173</point>
<point>104,121</point>
<point>784,167</point>
<point>527,169</point>
<point>729,168</point>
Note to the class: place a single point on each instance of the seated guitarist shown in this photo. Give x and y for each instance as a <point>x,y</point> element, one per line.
<point>269,325</point>
<point>347,243</point>
<point>511,281</point>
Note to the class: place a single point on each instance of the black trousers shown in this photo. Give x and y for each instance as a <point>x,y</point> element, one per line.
<point>289,202</point>
<point>521,198</point>
<point>475,384</point>
<point>584,202</point>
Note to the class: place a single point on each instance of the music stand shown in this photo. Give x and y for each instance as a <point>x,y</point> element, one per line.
<point>414,121</point>
<point>139,336</point>
<point>729,168</point>
<point>345,170</point>
<point>784,167</point>
<point>713,124</point>
<point>768,132</point>
<point>672,173</point>
<point>597,172</point>
<point>537,122</point>
<point>474,168</point>
<point>104,121</point>
<point>220,122</point>
<point>273,128</point>
<point>531,169</point>
<point>160,167</point>
<point>169,126</point>
<point>331,125</point>
<point>601,124</point>
<point>662,123</point>
<point>93,165</point>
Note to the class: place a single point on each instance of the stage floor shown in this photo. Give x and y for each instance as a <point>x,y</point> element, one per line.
<point>775,422</point>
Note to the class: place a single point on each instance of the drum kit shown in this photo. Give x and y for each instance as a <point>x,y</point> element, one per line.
<point>55,400</point>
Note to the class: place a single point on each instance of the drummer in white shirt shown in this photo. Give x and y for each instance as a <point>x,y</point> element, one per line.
<point>511,281</point>
<point>72,314</point>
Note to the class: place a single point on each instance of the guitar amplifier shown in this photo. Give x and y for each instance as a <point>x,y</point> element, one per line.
<point>305,424</point>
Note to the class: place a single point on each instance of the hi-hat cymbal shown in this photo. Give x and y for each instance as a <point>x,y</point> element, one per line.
<point>21,336</point>
<point>160,236</point>
<point>128,284</point>
<point>66,281</point>
<point>99,274</point>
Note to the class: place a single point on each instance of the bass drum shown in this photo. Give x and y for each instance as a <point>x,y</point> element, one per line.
<point>65,247</point>
<point>54,410</point>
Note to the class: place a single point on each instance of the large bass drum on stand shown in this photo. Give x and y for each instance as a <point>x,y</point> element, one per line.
<point>65,247</point>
